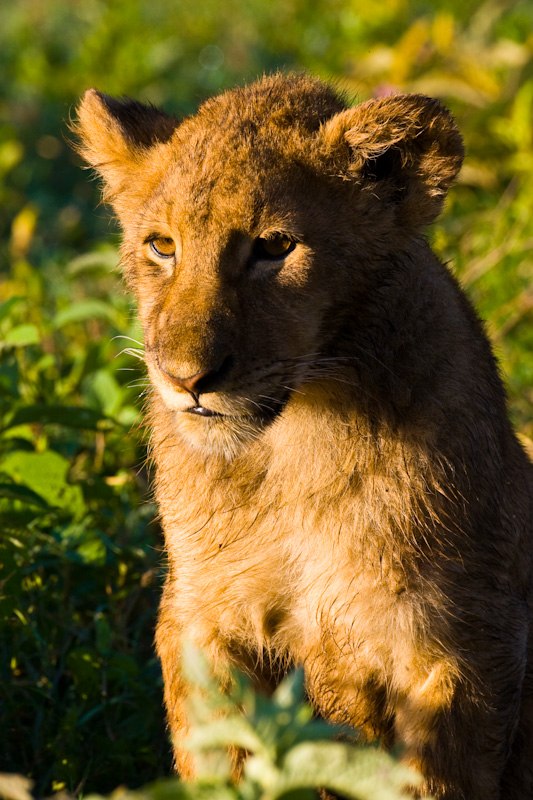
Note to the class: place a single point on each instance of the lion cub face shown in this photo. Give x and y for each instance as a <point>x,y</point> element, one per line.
<point>253,230</point>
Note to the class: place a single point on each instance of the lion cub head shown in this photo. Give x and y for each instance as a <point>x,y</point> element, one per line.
<point>253,231</point>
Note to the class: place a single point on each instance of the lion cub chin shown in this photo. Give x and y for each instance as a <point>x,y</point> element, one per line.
<point>339,484</point>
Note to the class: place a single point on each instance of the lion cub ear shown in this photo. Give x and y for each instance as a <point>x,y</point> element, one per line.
<point>406,147</point>
<point>116,137</point>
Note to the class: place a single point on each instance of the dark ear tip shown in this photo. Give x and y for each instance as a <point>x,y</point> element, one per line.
<point>141,124</point>
<point>106,100</point>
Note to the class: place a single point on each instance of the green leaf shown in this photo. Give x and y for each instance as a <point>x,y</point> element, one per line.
<point>6,307</point>
<point>358,773</point>
<point>9,376</point>
<point>103,633</point>
<point>291,691</point>
<point>46,475</point>
<point>21,336</point>
<point>85,668</point>
<point>174,789</point>
<point>93,551</point>
<point>11,152</point>
<point>14,491</point>
<point>69,416</point>
<point>97,262</point>
<point>196,668</point>
<point>233,731</point>
<point>85,310</point>
<point>102,392</point>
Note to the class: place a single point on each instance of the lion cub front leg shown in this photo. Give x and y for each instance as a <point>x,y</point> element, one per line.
<point>168,640</point>
<point>453,735</point>
<point>169,645</point>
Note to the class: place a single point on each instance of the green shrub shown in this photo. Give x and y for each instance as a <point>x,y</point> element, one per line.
<point>290,754</point>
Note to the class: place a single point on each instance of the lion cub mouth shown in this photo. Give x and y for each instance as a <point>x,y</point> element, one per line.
<point>267,413</point>
<point>201,411</point>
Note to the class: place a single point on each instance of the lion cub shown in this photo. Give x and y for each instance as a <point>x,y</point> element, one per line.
<point>339,483</point>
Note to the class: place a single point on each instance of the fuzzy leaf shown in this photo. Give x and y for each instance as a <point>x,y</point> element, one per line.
<point>15,787</point>
<point>363,773</point>
<point>233,731</point>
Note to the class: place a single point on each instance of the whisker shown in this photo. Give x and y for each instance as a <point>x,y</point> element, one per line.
<point>123,336</point>
<point>132,351</point>
<point>260,406</point>
<point>292,389</point>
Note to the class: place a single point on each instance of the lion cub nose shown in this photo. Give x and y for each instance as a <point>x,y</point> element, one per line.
<point>201,382</point>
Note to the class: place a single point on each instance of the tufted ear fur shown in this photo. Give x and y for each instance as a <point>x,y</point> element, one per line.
<point>407,148</point>
<point>119,138</point>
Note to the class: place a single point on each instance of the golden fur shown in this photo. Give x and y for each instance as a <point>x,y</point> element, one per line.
<point>339,485</point>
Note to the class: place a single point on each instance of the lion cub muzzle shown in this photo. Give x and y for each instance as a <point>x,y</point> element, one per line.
<point>202,382</point>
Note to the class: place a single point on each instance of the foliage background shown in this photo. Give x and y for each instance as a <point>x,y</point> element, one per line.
<point>80,559</point>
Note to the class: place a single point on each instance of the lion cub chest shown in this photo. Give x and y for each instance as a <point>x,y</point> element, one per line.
<point>288,586</point>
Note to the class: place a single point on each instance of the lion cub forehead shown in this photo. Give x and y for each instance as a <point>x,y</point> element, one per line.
<point>274,115</point>
<point>234,150</point>
<point>276,101</point>
<point>215,197</point>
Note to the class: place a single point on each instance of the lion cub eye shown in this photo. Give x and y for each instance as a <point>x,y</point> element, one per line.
<point>271,247</point>
<point>163,247</point>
